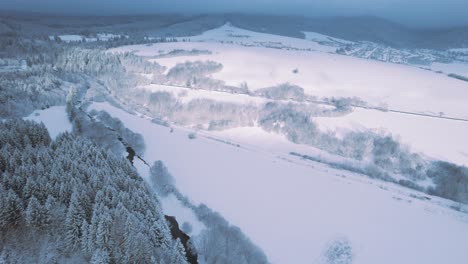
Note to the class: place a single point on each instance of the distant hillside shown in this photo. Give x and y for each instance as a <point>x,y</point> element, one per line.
<point>360,28</point>
<point>357,29</point>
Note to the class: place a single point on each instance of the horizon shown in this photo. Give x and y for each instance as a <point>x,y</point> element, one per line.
<point>420,14</point>
<point>18,12</point>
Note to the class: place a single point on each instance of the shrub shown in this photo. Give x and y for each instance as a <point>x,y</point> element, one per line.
<point>339,251</point>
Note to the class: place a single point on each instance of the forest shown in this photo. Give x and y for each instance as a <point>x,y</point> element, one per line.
<point>69,200</point>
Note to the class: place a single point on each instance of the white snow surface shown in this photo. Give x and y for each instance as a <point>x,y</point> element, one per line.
<point>54,118</point>
<point>292,209</point>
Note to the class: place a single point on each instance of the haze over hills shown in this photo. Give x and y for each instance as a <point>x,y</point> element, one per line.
<point>354,28</point>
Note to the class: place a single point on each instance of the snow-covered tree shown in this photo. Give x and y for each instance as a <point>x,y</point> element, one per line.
<point>160,178</point>
<point>11,209</point>
<point>36,214</point>
<point>73,221</point>
<point>100,256</point>
<point>178,253</point>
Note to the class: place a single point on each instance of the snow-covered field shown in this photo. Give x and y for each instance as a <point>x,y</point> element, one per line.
<point>54,118</point>
<point>293,209</point>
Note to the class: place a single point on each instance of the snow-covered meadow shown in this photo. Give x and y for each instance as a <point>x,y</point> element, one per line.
<point>54,118</point>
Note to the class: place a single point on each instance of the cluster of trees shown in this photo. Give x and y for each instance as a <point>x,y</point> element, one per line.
<point>182,52</point>
<point>339,251</point>
<point>459,77</point>
<point>384,154</point>
<point>381,52</point>
<point>55,67</point>
<point>282,92</point>
<point>193,74</point>
<point>196,75</point>
<point>70,201</point>
<point>88,61</point>
<point>451,181</point>
<point>216,115</point>
<point>210,114</point>
<point>345,104</point>
<point>187,70</point>
<point>110,133</point>
<point>291,120</point>
<point>22,92</point>
<point>219,242</point>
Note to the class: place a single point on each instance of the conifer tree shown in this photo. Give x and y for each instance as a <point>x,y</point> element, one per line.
<point>100,256</point>
<point>178,253</point>
<point>36,215</point>
<point>73,221</point>
<point>11,209</point>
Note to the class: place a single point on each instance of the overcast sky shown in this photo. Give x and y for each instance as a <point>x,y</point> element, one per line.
<point>412,12</point>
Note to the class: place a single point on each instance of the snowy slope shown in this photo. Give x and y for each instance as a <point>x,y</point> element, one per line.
<point>238,36</point>
<point>293,209</point>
